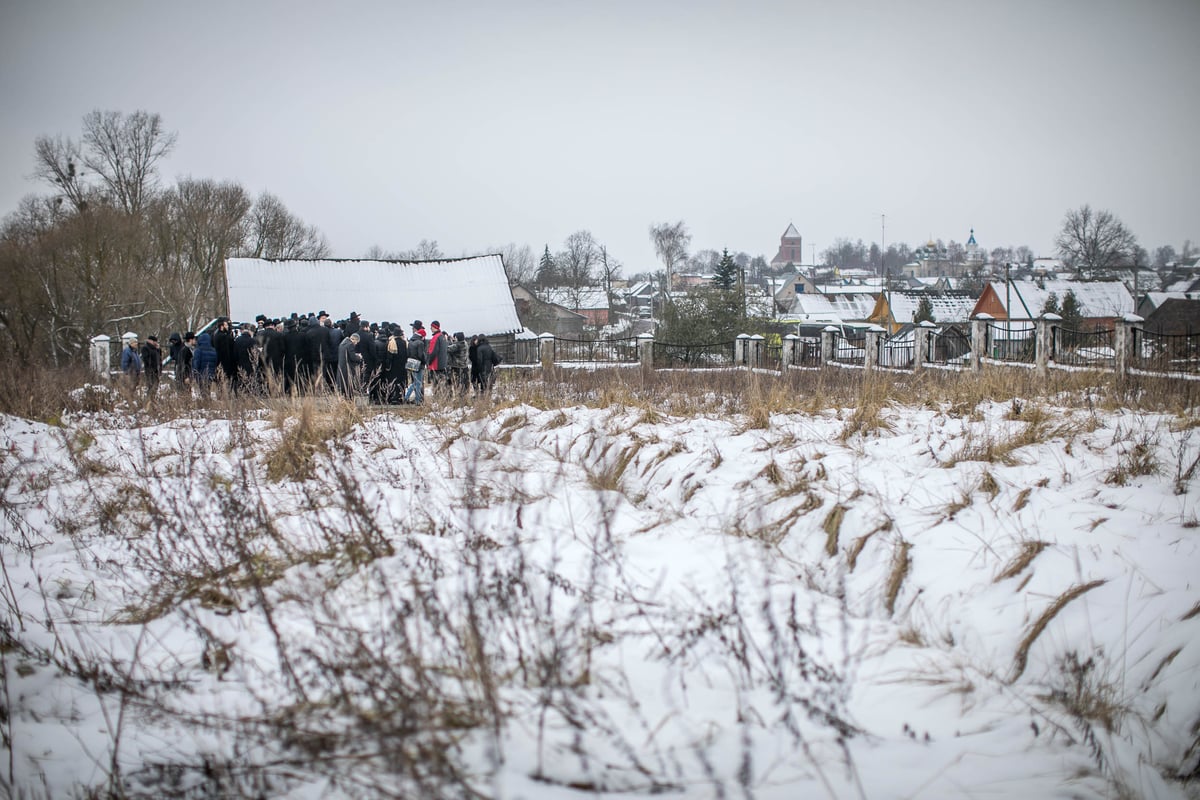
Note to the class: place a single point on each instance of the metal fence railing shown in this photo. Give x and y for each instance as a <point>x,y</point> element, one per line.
<point>949,346</point>
<point>1012,341</point>
<point>848,350</point>
<point>599,351</point>
<point>717,354</point>
<point>1167,352</point>
<point>1083,348</point>
<point>897,351</point>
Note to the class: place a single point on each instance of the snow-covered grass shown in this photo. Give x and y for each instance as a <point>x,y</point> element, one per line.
<point>607,584</point>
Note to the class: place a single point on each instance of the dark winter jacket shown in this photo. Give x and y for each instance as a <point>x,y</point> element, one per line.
<point>204,360</point>
<point>459,353</point>
<point>417,348</point>
<point>131,362</point>
<point>152,359</point>
<point>486,360</point>
<point>181,359</point>
<point>245,349</point>
<point>333,337</point>
<point>226,357</point>
<point>274,350</point>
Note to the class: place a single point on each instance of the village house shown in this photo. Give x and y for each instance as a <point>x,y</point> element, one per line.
<point>1100,302</point>
<point>893,310</point>
<point>540,316</point>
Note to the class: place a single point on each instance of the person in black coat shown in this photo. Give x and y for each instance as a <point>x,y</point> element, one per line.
<point>223,342</point>
<point>329,351</point>
<point>366,349</point>
<point>151,364</point>
<point>293,349</point>
<point>274,355</point>
<point>314,339</point>
<point>486,360</point>
<point>181,359</point>
<point>246,351</point>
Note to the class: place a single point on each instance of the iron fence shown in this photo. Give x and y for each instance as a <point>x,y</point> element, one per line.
<point>1167,352</point>
<point>848,350</point>
<point>1083,348</point>
<point>1012,341</point>
<point>599,351</point>
<point>949,346</point>
<point>897,351</point>
<point>717,354</point>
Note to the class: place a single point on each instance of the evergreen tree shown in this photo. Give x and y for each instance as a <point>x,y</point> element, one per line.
<point>1072,312</point>
<point>1051,305</point>
<point>547,271</point>
<point>924,311</point>
<point>727,272</point>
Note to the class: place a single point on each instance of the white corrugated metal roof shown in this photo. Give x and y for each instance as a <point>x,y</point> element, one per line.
<point>1096,299</point>
<point>464,294</point>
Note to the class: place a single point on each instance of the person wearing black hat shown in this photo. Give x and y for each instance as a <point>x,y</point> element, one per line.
<point>151,364</point>
<point>181,360</point>
<point>223,342</point>
<point>293,351</point>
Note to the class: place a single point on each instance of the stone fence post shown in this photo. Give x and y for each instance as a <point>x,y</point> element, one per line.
<point>1124,337</point>
<point>827,344</point>
<point>101,355</point>
<point>739,349</point>
<point>979,332</point>
<point>921,333</point>
<point>645,346</point>
<point>788,355</point>
<point>757,354</point>
<point>874,337</point>
<point>546,352</point>
<point>1043,343</point>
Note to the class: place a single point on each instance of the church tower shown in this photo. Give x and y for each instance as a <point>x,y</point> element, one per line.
<point>791,248</point>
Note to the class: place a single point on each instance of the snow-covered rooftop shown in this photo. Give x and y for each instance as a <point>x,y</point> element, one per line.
<point>469,294</point>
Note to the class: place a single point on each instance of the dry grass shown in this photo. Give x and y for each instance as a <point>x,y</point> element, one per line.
<point>1021,656</point>
<point>832,526</point>
<point>901,563</point>
<point>38,392</point>
<point>1024,557</point>
<point>307,427</point>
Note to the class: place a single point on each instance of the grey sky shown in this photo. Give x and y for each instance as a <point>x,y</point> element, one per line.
<point>483,123</point>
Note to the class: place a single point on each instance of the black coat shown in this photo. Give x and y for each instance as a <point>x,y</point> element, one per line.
<point>226,357</point>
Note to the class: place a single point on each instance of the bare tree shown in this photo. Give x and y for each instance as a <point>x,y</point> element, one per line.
<point>671,240</point>
<point>59,163</point>
<point>519,263</point>
<point>610,270</point>
<point>426,250</point>
<point>197,225</point>
<point>274,232</point>
<point>1094,242</point>
<point>124,150</point>
<point>578,259</point>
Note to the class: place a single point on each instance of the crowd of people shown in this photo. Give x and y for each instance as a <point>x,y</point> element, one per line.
<point>307,353</point>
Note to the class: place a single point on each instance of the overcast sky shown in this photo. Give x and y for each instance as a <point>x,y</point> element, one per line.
<point>478,124</point>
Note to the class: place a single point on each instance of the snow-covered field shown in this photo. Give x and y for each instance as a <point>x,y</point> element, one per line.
<point>612,602</point>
